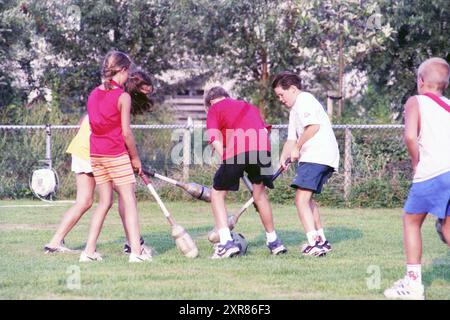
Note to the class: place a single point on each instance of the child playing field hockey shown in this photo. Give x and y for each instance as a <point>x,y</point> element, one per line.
<point>239,135</point>
<point>85,182</point>
<point>114,156</point>
<point>312,142</point>
<point>427,138</point>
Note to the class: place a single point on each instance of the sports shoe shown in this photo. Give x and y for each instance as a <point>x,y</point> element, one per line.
<point>59,249</point>
<point>315,250</point>
<point>276,247</point>
<point>127,248</point>
<point>326,246</point>
<point>95,257</point>
<point>229,250</point>
<point>143,257</point>
<point>148,250</point>
<point>405,289</point>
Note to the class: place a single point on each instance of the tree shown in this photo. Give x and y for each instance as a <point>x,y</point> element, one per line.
<point>241,39</point>
<point>421,31</point>
<point>16,51</point>
<point>80,33</point>
<point>58,46</point>
<point>250,41</point>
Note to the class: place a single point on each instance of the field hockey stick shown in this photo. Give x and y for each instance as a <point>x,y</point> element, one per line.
<point>196,190</point>
<point>183,240</point>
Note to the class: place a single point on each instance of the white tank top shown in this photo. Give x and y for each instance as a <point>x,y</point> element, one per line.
<point>434,139</point>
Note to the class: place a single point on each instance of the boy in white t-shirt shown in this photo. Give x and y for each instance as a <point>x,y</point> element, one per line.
<point>427,137</point>
<point>312,142</point>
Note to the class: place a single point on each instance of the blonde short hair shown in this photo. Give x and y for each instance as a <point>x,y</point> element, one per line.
<point>435,72</point>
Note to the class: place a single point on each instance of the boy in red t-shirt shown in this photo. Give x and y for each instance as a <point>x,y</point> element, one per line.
<point>240,136</point>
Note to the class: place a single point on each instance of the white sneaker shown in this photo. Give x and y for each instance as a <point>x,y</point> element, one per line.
<point>143,257</point>
<point>315,250</point>
<point>405,289</point>
<point>229,250</point>
<point>95,257</point>
<point>148,250</point>
<point>326,246</point>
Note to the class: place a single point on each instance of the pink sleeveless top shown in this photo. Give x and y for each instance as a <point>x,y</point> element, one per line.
<point>105,121</point>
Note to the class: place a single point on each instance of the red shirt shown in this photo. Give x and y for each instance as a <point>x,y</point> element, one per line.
<point>239,126</point>
<point>105,121</point>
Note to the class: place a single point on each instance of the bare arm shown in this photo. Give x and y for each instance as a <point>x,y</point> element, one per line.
<point>412,130</point>
<point>218,147</point>
<point>289,145</point>
<point>309,132</point>
<point>125,109</point>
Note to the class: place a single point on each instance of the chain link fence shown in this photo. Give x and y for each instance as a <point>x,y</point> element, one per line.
<point>374,168</point>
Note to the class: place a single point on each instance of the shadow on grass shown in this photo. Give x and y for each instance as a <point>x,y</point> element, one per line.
<point>159,241</point>
<point>439,269</point>
<point>163,241</point>
<point>334,235</point>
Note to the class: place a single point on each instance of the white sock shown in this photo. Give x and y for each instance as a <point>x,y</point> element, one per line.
<point>225,235</point>
<point>414,273</point>
<point>321,234</point>
<point>311,236</point>
<point>271,236</point>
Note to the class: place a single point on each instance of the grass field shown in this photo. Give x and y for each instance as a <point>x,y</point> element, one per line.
<point>366,243</point>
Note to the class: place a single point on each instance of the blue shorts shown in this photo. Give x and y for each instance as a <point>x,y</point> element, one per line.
<point>430,196</point>
<point>311,176</point>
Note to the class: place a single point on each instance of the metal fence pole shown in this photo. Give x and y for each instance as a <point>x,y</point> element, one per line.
<point>348,161</point>
<point>187,148</point>
<point>48,145</point>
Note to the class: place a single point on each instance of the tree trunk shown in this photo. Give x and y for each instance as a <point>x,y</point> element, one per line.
<point>341,74</point>
<point>263,83</point>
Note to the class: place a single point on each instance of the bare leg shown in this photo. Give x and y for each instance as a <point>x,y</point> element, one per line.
<point>264,208</point>
<point>446,230</point>
<point>98,217</point>
<point>128,199</point>
<point>302,201</point>
<point>85,194</point>
<point>122,216</point>
<point>315,212</point>
<point>219,209</point>
<point>412,237</point>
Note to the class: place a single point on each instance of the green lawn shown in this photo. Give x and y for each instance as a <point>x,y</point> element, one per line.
<point>364,241</point>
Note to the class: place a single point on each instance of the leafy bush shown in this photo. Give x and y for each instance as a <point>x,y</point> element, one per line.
<point>379,193</point>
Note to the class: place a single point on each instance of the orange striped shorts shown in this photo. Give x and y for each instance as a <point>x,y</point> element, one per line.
<point>117,169</point>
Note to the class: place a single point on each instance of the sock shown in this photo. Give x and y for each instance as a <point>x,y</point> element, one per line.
<point>311,236</point>
<point>225,236</point>
<point>414,273</point>
<point>321,235</point>
<point>271,236</point>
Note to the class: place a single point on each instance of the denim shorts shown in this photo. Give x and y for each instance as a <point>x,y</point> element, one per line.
<point>311,176</point>
<point>430,196</point>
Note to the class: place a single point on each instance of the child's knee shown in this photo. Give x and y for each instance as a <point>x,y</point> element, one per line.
<point>302,198</point>
<point>86,203</point>
<point>259,194</point>
<point>217,194</point>
<point>106,204</point>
